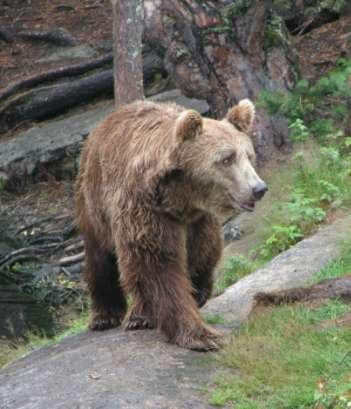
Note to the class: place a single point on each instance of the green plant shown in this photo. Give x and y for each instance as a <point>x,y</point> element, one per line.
<point>275,31</point>
<point>304,210</point>
<point>320,182</point>
<point>34,340</point>
<point>299,131</point>
<point>281,238</point>
<point>215,319</point>
<point>236,268</point>
<point>317,109</point>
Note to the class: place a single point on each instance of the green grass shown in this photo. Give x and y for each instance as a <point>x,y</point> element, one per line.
<point>236,267</point>
<point>278,359</point>
<point>215,319</point>
<point>320,185</point>
<point>282,359</point>
<point>335,269</point>
<point>9,351</point>
<point>320,181</point>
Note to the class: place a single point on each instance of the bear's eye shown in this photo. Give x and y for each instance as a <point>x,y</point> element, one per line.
<point>228,160</point>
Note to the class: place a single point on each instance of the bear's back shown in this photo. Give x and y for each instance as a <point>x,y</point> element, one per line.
<point>130,140</point>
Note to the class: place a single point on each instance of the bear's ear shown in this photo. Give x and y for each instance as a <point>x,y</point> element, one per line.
<point>188,126</point>
<point>242,115</point>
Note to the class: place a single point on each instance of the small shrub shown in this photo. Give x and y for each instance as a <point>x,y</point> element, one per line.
<point>299,131</point>
<point>321,107</point>
<point>281,238</point>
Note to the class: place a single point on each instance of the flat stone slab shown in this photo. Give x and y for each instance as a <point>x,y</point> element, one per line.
<point>109,370</point>
<point>138,370</point>
<point>292,268</point>
<point>30,151</point>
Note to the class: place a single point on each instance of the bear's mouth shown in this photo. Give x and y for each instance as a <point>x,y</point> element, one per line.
<point>248,206</point>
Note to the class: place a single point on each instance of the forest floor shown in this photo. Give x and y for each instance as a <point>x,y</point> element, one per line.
<point>85,21</point>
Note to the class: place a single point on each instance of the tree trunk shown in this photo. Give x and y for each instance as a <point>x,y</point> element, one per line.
<point>128,19</point>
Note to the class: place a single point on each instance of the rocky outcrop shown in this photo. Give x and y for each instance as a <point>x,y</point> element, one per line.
<point>224,51</point>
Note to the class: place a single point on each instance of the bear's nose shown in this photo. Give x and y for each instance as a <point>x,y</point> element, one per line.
<point>259,190</point>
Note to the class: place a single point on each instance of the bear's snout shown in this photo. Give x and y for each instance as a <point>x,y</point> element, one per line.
<point>259,190</point>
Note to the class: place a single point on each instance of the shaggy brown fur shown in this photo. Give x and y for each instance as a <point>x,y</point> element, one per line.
<point>153,179</point>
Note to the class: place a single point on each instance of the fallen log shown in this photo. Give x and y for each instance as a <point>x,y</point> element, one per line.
<point>49,101</point>
<point>55,74</point>
<point>42,100</point>
<point>327,289</point>
<point>57,36</point>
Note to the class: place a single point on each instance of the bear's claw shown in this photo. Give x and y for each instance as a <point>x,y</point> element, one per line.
<point>138,322</point>
<point>103,322</point>
<point>210,340</point>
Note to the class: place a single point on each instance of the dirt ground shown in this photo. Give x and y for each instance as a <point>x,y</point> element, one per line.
<point>87,21</point>
<point>90,22</point>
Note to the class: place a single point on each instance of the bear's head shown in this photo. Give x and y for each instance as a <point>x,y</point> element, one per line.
<point>219,157</point>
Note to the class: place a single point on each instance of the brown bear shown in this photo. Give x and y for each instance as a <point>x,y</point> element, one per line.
<point>154,181</point>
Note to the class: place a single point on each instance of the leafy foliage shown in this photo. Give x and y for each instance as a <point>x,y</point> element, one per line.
<point>281,238</point>
<point>325,100</point>
<point>320,184</point>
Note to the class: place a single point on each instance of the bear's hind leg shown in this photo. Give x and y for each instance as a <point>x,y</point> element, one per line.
<point>102,276</point>
<point>204,248</point>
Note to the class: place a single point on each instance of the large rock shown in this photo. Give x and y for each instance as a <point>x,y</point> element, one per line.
<point>24,156</point>
<point>53,146</point>
<point>137,370</point>
<point>292,268</point>
<point>110,370</point>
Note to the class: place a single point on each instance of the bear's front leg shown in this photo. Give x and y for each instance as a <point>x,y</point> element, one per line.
<point>139,316</point>
<point>154,272</point>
